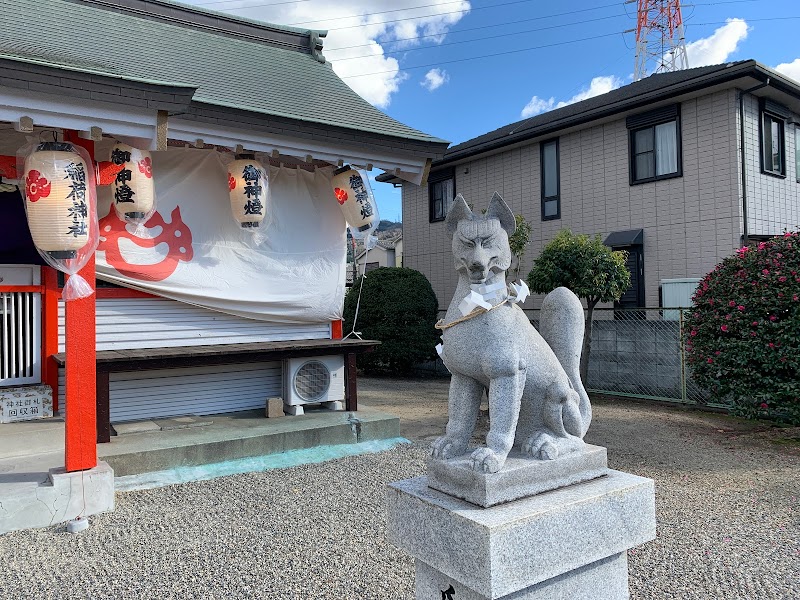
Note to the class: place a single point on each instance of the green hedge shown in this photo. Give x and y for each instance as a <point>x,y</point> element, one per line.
<point>398,308</point>
<point>743,334</point>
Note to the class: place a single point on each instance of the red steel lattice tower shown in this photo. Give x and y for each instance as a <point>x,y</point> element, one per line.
<point>660,41</point>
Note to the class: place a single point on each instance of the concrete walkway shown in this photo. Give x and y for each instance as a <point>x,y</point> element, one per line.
<point>34,492</point>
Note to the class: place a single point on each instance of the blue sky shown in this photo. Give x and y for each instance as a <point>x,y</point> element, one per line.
<point>427,64</point>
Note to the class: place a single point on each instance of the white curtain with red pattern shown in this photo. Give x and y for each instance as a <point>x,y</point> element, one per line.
<point>195,252</point>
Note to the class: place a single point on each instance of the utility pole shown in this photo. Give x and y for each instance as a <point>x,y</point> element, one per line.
<point>660,42</point>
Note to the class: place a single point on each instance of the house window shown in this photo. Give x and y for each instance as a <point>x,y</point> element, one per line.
<point>551,184</point>
<point>371,266</point>
<point>441,191</point>
<point>797,153</point>
<point>773,145</point>
<point>655,145</point>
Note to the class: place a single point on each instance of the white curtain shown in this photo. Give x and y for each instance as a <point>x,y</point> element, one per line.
<point>666,148</point>
<point>295,275</point>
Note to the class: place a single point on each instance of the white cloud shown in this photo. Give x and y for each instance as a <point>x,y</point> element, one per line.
<point>434,79</point>
<point>790,69</point>
<point>717,47</point>
<point>599,85</point>
<point>537,105</point>
<point>353,23</point>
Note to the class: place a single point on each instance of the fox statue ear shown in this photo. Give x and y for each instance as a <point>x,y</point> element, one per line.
<point>498,209</point>
<point>458,211</point>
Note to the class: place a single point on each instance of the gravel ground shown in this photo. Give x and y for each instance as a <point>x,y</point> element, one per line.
<point>727,502</point>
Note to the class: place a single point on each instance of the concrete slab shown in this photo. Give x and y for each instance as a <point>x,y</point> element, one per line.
<point>285,460</point>
<point>136,427</point>
<point>182,422</point>
<point>34,492</point>
<point>243,435</point>
<point>32,437</point>
<point>32,497</point>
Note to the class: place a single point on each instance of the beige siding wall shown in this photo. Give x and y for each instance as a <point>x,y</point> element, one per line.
<point>773,203</point>
<point>689,222</point>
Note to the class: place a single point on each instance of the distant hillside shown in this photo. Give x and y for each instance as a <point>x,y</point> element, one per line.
<point>386,230</point>
<point>387,226</point>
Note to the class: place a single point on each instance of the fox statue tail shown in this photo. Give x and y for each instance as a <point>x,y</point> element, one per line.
<point>561,324</point>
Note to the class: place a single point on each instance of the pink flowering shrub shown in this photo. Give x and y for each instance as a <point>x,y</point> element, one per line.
<point>743,333</point>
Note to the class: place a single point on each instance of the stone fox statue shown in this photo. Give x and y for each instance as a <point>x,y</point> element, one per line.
<point>537,402</point>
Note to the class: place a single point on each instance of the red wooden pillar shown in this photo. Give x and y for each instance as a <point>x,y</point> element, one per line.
<point>80,448</point>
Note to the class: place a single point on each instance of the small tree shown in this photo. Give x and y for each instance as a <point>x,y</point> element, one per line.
<point>519,240</point>
<point>398,308</point>
<point>587,267</point>
<point>743,332</point>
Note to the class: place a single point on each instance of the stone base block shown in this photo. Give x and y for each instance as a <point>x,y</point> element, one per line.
<point>520,477</point>
<point>61,497</point>
<point>274,408</point>
<point>548,539</point>
<point>605,579</point>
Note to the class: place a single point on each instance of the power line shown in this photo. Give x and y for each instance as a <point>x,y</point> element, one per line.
<point>420,37</point>
<point>238,7</point>
<point>438,14</point>
<point>458,60</point>
<point>472,8</point>
<point>383,12</point>
<point>479,39</point>
<point>507,52</point>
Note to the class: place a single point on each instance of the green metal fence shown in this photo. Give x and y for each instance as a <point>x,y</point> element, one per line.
<point>640,353</point>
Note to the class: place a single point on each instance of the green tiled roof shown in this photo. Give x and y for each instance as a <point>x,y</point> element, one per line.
<point>229,70</point>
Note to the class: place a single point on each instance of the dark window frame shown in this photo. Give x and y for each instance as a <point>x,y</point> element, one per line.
<point>650,120</point>
<point>437,179</point>
<point>641,298</point>
<point>557,197</point>
<point>797,152</point>
<point>763,114</point>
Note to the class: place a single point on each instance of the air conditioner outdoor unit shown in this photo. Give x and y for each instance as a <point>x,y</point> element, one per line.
<point>313,380</point>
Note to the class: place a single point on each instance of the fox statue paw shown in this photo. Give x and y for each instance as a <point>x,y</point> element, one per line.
<point>545,446</point>
<point>541,446</point>
<point>486,460</point>
<point>447,447</point>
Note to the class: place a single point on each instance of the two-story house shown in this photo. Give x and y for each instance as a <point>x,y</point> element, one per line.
<point>680,169</point>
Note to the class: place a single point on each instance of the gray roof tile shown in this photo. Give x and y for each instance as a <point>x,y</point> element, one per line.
<point>230,70</point>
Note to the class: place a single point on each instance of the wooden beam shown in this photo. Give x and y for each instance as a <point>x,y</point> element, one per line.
<point>351,385</point>
<point>103,395</point>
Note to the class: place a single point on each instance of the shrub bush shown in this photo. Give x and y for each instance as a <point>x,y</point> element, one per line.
<point>399,308</point>
<point>743,333</point>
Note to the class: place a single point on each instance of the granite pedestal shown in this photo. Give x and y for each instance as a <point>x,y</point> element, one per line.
<point>520,477</point>
<point>568,543</point>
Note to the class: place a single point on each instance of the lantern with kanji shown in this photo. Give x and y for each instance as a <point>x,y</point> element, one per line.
<point>248,184</point>
<point>354,196</point>
<point>56,182</point>
<point>134,190</point>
